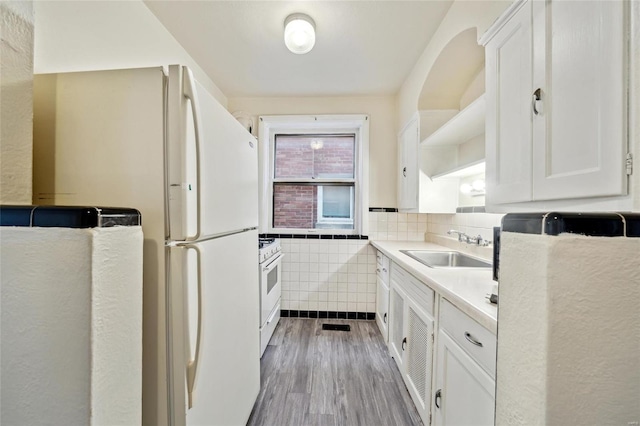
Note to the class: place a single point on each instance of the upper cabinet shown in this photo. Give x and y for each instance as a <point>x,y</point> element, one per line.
<point>446,134</point>
<point>556,99</point>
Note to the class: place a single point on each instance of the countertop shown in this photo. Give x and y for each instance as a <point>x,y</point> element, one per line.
<point>465,288</point>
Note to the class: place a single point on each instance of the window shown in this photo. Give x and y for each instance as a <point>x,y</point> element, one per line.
<point>312,174</point>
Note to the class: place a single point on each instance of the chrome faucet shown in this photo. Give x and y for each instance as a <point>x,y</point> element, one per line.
<point>464,238</point>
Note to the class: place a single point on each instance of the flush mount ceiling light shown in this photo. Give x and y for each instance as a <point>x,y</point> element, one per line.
<point>299,33</point>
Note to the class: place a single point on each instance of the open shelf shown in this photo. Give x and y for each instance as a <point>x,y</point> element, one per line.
<point>465,170</point>
<point>468,123</point>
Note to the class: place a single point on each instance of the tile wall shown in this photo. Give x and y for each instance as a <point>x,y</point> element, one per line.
<point>340,275</point>
<point>328,275</point>
<point>472,224</point>
<point>385,226</point>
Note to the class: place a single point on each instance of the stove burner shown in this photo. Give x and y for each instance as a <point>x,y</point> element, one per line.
<point>264,241</point>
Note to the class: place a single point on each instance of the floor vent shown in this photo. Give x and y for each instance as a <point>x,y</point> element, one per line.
<point>337,327</point>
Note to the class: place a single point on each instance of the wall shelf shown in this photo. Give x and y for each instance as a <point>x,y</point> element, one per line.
<point>468,123</point>
<point>470,169</point>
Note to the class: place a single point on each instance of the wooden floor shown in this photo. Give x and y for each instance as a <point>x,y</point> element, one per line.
<point>312,376</point>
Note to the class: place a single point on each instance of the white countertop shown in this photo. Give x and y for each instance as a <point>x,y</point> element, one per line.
<point>465,288</point>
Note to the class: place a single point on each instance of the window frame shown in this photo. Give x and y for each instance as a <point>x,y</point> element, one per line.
<point>356,124</point>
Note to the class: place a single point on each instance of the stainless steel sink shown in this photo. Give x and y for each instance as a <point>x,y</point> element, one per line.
<point>446,259</point>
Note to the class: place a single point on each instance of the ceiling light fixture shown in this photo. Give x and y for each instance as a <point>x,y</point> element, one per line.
<point>316,144</point>
<point>299,33</point>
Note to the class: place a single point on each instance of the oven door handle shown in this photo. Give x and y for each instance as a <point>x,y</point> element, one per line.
<point>272,264</point>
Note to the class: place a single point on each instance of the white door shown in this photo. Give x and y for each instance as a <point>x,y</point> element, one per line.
<point>225,165</point>
<point>382,308</point>
<point>397,338</point>
<point>408,165</point>
<point>509,58</point>
<point>580,134</point>
<point>465,393</point>
<point>418,358</point>
<point>215,299</point>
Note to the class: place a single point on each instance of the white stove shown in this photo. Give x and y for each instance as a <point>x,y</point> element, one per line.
<point>267,247</point>
<point>270,258</point>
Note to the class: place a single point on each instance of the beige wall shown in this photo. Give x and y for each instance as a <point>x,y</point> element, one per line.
<point>461,16</point>
<point>85,35</point>
<point>382,131</point>
<point>16,105</point>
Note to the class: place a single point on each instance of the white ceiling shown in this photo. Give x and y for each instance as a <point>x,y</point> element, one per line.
<point>362,47</point>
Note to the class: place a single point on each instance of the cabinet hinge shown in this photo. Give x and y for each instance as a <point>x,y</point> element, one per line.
<point>629,163</point>
<point>429,418</point>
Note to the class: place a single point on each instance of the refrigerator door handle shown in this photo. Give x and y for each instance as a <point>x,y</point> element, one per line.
<point>189,90</point>
<point>192,365</point>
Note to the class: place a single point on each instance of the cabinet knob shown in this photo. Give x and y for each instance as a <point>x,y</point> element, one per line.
<point>404,343</point>
<point>536,101</point>
<point>437,398</point>
<point>404,172</point>
<point>384,319</point>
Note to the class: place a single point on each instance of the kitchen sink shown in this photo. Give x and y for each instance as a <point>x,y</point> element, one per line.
<point>446,259</point>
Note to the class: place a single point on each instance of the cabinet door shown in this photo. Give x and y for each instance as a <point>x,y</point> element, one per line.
<point>397,341</point>
<point>580,130</point>
<point>418,358</point>
<point>408,165</point>
<point>382,309</point>
<point>465,393</point>
<point>509,57</point>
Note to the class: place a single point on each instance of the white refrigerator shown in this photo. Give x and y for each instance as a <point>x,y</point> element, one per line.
<point>156,140</point>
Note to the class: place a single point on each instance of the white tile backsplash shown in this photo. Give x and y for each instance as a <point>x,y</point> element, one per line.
<point>340,275</point>
<point>328,275</point>
<point>472,224</point>
<point>384,226</point>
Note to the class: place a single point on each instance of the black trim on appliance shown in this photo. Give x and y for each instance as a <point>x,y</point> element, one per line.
<point>633,224</point>
<point>523,223</point>
<point>383,209</point>
<point>365,316</point>
<point>589,224</point>
<point>68,216</point>
<point>316,236</point>
<point>496,253</point>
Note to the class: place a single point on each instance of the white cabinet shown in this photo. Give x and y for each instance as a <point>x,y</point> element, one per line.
<point>382,295</point>
<point>408,175</point>
<point>556,94</point>
<point>465,392</point>
<point>465,370</point>
<point>397,303</point>
<point>417,162</point>
<point>411,336</point>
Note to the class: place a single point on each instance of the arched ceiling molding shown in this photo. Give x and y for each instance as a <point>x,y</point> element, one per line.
<point>452,72</point>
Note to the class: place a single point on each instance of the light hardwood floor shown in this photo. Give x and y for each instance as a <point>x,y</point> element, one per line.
<point>311,376</point>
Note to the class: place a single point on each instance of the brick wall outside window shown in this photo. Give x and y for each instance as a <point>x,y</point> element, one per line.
<point>295,206</point>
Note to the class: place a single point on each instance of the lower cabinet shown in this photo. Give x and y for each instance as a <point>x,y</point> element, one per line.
<point>411,336</point>
<point>465,370</point>
<point>465,393</point>
<point>462,367</point>
<point>382,308</point>
<point>382,294</point>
